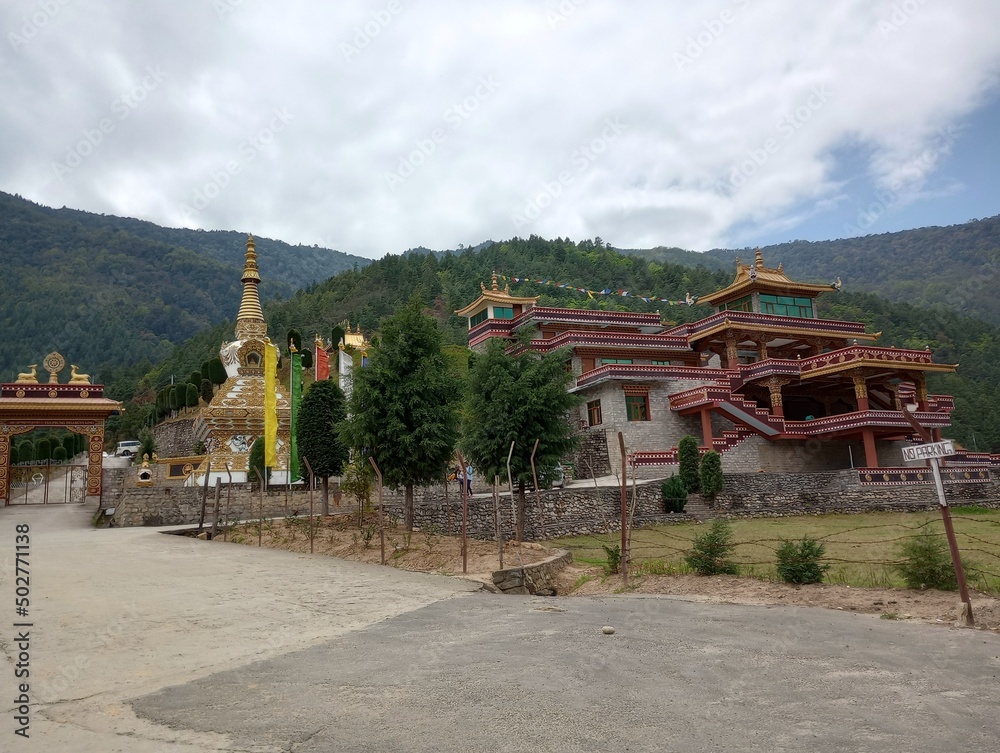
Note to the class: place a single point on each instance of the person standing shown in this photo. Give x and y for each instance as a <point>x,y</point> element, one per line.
<point>468,479</point>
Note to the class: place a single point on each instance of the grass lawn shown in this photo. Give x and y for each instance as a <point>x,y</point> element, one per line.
<point>860,549</point>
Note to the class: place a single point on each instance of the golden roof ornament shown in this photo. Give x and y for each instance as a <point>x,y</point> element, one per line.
<point>758,259</point>
<point>250,318</point>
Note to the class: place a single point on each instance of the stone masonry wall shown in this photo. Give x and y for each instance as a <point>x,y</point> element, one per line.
<point>538,578</point>
<point>175,439</point>
<point>591,459</point>
<point>165,506</point>
<point>767,494</point>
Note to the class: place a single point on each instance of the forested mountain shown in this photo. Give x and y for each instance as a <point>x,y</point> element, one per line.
<point>955,268</point>
<point>450,281</point>
<point>109,291</point>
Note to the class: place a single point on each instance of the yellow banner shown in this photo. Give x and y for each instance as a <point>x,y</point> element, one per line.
<point>270,405</point>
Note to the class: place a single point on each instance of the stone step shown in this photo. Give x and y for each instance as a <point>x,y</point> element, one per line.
<point>698,509</point>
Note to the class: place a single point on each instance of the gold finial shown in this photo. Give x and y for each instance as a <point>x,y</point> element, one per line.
<point>493,283</point>
<point>291,347</point>
<point>759,259</point>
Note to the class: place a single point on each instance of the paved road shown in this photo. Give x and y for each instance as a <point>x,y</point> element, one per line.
<point>150,643</point>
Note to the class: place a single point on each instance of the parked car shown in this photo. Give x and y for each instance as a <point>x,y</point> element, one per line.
<point>128,449</point>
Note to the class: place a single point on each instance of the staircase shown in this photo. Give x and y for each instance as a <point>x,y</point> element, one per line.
<point>698,509</point>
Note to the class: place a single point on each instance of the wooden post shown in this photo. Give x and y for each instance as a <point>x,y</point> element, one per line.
<point>465,515</point>
<point>496,518</point>
<point>623,560</point>
<point>381,515</point>
<point>204,494</point>
<point>312,478</point>
<point>260,519</point>
<point>215,509</point>
<point>538,496</point>
<point>706,428</point>
<point>229,495</point>
<point>871,454</point>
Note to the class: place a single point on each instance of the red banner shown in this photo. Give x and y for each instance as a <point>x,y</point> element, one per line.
<point>322,364</point>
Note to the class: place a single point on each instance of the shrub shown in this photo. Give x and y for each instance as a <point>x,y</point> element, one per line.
<point>59,454</point>
<point>255,462</point>
<point>674,494</point>
<point>147,445</point>
<point>799,561</point>
<point>614,554</point>
<point>689,460</point>
<point>926,563</point>
<point>710,552</point>
<point>711,474</point>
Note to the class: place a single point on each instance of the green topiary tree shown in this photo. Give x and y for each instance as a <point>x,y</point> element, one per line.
<point>711,474</point>
<point>216,371</point>
<point>799,561</point>
<point>191,394</point>
<point>69,442</point>
<point>927,563</point>
<point>689,459</point>
<point>322,410</point>
<point>59,454</point>
<point>195,378</point>
<point>43,450</point>
<point>207,392</point>
<point>26,451</point>
<point>675,494</point>
<point>294,338</point>
<point>15,455</point>
<point>307,358</point>
<point>147,445</point>
<point>256,462</point>
<point>710,552</point>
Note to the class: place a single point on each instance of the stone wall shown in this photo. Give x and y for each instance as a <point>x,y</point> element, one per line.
<point>767,494</point>
<point>563,512</point>
<point>173,505</point>
<point>175,439</point>
<point>537,578</point>
<point>591,458</point>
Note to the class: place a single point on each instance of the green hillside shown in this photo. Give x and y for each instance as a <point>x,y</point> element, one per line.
<point>954,268</point>
<point>450,281</point>
<point>109,292</point>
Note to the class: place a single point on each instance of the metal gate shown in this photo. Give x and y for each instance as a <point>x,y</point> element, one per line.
<point>48,484</point>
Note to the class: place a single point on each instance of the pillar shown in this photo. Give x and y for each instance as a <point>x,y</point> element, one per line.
<point>5,468</point>
<point>732,357</point>
<point>706,428</point>
<point>762,350</point>
<point>871,454</point>
<point>921,384</point>
<point>95,455</point>
<point>860,391</point>
<point>774,386</point>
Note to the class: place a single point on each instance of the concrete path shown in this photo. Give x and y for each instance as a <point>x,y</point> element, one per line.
<point>119,613</point>
<point>149,643</point>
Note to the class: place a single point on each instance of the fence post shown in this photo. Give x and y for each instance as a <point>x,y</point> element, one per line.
<point>311,484</point>
<point>465,517</point>
<point>381,515</point>
<point>215,511</point>
<point>623,559</point>
<point>229,495</point>
<point>260,519</point>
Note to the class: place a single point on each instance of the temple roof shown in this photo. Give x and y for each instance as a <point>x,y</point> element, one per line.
<point>494,294</point>
<point>756,276</point>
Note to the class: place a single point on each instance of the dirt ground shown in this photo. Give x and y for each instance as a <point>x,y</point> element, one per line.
<point>422,551</point>
<point>430,551</point>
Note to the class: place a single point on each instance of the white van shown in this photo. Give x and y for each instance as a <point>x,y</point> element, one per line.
<point>128,449</point>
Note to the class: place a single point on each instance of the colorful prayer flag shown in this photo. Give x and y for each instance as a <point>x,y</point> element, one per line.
<point>270,404</point>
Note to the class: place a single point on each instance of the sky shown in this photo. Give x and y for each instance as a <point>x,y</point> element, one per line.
<point>373,127</point>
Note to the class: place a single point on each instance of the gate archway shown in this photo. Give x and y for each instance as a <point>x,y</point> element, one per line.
<point>78,405</point>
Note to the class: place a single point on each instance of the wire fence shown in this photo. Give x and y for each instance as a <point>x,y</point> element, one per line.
<point>863,555</point>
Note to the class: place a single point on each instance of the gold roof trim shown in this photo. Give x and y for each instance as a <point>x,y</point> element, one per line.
<point>756,276</point>
<point>494,294</point>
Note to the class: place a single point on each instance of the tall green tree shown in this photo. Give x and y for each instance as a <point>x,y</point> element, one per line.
<point>216,371</point>
<point>321,413</point>
<point>518,399</point>
<point>403,404</point>
<point>689,460</point>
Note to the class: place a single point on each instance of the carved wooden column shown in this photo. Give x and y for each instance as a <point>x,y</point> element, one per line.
<point>920,382</point>
<point>732,356</point>
<point>860,389</point>
<point>871,454</point>
<point>6,432</point>
<point>95,456</point>
<point>762,349</point>
<point>897,403</point>
<point>774,385</point>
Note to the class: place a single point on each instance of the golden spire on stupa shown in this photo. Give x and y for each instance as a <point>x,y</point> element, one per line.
<point>250,319</point>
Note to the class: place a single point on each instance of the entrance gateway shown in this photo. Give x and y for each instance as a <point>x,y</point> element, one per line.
<point>78,405</point>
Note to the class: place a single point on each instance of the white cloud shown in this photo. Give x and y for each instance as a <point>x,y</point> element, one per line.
<point>730,113</point>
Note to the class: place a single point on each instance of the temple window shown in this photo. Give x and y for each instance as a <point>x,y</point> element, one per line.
<point>478,318</point>
<point>786,306</point>
<point>637,407</point>
<point>606,361</point>
<point>594,416</point>
<point>659,363</point>
<point>503,312</point>
<point>740,304</point>
<point>253,359</point>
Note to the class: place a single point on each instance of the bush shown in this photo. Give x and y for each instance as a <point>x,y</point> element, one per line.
<point>711,474</point>
<point>689,459</point>
<point>147,445</point>
<point>711,550</point>
<point>674,494</point>
<point>927,563</point>
<point>614,562</point>
<point>799,561</point>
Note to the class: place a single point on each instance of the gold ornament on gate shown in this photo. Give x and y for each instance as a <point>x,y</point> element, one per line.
<point>54,363</point>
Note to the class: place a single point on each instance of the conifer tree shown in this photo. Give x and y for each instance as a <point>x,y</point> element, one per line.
<point>689,459</point>
<point>403,404</point>
<point>321,413</point>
